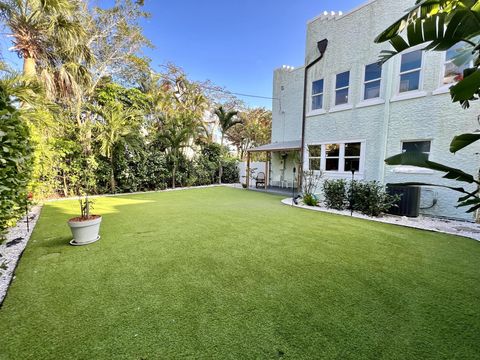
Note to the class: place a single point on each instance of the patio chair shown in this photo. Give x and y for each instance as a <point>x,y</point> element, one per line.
<point>260,179</point>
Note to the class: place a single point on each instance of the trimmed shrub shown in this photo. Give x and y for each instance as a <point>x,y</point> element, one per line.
<point>370,198</point>
<point>335,193</point>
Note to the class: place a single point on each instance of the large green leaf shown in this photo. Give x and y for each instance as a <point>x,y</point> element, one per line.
<point>463,140</point>
<point>467,89</point>
<point>421,160</point>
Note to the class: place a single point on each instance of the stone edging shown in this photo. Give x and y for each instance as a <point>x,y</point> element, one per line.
<point>12,248</point>
<point>469,230</point>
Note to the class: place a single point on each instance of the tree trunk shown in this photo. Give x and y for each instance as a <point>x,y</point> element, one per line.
<point>174,170</point>
<point>220,167</point>
<point>112,176</point>
<point>29,67</point>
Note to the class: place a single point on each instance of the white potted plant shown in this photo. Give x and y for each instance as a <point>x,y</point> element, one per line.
<point>86,227</point>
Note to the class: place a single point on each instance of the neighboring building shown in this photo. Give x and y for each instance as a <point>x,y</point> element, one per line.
<point>358,114</point>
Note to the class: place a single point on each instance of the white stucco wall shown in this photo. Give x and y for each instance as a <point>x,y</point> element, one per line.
<point>257,166</point>
<point>382,126</point>
<point>287,105</point>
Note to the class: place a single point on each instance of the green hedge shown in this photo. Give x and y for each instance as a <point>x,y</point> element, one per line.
<point>16,163</point>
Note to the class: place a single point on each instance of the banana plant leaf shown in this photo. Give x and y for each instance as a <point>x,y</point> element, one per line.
<point>463,140</point>
<point>421,160</point>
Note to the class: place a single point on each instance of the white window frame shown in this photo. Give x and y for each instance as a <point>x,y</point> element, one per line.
<point>445,88</point>
<point>341,173</point>
<point>312,110</point>
<point>378,99</point>
<point>419,69</point>
<point>347,105</point>
<point>315,157</point>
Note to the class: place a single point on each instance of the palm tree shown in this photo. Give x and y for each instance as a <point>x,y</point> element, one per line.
<point>115,124</point>
<point>48,36</point>
<point>226,120</point>
<point>176,136</point>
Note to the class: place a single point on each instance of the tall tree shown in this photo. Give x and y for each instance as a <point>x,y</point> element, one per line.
<point>176,136</point>
<point>256,130</point>
<point>226,120</point>
<point>50,38</point>
<point>114,124</point>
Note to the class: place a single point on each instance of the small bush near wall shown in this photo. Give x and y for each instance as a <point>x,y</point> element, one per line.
<point>335,192</point>
<point>370,198</point>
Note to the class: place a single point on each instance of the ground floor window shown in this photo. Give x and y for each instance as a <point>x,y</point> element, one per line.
<point>336,157</point>
<point>422,146</point>
<point>314,156</point>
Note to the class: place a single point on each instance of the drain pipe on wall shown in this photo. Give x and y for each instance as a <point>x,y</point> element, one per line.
<point>322,47</point>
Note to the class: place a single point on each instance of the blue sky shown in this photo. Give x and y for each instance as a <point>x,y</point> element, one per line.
<point>234,43</point>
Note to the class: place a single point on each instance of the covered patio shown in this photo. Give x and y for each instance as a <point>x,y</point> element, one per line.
<point>281,173</point>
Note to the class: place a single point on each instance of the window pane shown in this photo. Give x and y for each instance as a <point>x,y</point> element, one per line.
<point>332,150</point>
<point>453,73</point>
<point>343,79</point>
<point>410,81</point>
<point>331,165</point>
<point>314,164</point>
<point>411,60</point>
<point>341,97</point>
<point>314,150</point>
<point>352,149</point>
<point>416,146</point>
<point>454,50</point>
<point>373,71</point>
<point>317,102</point>
<point>352,164</point>
<point>372,90</point>
<point>317,87</point>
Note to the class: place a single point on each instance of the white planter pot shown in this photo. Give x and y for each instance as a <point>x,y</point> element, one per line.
<point>85,232</point>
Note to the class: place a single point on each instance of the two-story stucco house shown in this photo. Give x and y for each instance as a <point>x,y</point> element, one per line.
<point>357,113</point>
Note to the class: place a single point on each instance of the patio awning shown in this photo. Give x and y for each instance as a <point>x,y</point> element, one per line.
<point>287,145</point>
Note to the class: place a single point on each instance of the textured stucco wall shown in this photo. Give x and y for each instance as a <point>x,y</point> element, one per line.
<point>287,105</point>
<point>385,125</point>
<point>292,160</point>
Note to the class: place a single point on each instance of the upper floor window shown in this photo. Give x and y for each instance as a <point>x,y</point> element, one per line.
<point>314,156</point>
<point>341,88</point>
<point>410,71</point>
<point>453,73</point>
<point>417,146</point>
<point>373,75</point>
<point>317,95</point>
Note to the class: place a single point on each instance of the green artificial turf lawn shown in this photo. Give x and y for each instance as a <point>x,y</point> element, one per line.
<point>233,274</point>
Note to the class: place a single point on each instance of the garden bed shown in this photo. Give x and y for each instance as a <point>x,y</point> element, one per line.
<point>12,248</point>
<point>446,226</point>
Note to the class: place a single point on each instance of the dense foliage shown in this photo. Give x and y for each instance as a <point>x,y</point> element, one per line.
<point>16,162</point>
<point>370,198</point>
<point>367,197</point>
<point>335,194</point>
<point>103,120</point>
